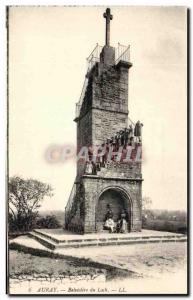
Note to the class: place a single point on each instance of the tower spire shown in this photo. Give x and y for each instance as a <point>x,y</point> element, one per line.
<point>107,15</point>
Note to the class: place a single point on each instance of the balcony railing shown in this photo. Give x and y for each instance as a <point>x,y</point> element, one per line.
<point>94,57</point>
<point>79,103</point>
<point>70,201</point>
<point>122,53</point>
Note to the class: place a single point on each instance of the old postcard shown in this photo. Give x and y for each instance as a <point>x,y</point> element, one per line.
<point>97,150</point>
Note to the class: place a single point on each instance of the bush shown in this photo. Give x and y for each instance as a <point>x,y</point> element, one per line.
<point>22,223</point>
<point>172,226</point>
<point>12,223</point>
<point>49,222</point>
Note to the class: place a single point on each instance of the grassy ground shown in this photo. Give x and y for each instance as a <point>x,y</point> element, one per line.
<point>21,263</point>
<point>115,262</point>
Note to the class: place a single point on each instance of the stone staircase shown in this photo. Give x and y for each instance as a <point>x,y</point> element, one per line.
<point>51,242</point>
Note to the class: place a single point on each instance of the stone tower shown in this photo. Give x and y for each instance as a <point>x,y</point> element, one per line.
<point>102,121</point>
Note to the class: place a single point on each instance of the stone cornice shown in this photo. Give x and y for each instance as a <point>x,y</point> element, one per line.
<point>112,178</point>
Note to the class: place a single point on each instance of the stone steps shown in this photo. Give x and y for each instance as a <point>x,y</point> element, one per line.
<point>53,243</point>
<point>48,243</point>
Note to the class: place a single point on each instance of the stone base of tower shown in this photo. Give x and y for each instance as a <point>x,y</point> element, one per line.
<point>94,193</point>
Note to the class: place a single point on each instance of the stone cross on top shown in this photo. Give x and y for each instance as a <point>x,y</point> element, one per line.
<point>107,15</point>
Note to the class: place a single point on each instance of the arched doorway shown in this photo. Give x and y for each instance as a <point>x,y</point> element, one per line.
<point>118,200</point>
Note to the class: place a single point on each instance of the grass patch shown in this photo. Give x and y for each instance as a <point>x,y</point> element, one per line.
<point>28,261</point>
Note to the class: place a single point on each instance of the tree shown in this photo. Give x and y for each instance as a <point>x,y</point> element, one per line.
<point>49,221</point>
<point>25,197</point>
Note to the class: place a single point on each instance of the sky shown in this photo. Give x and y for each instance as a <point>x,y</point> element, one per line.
<point>48,47</point>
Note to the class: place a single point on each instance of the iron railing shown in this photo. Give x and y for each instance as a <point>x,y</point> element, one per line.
<point>122,53</point>
<point>94,57</point>
<point>79,103</point>
<point>70,201</point>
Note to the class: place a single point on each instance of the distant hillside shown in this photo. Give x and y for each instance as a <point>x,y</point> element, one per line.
<point>151,214</point>
<point>165,220</point>
<point>167,215</point>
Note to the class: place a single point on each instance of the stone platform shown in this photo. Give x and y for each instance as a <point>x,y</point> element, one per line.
<point>60,239</point>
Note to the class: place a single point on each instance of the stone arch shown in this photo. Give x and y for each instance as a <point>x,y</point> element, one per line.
<point>118,198</point>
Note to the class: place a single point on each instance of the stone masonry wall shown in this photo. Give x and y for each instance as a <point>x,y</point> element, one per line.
<point>110,89</point>
<point>110,103</point>
<point>84,138</point>
<point>121,170</point>
<point>95,186</point>
<point>104,109</point>
<point>84,130</point>
<point>105,124</point>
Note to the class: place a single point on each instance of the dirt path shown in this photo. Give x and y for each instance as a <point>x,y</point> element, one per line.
<point>143,268</point>
<point>145,260</point>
